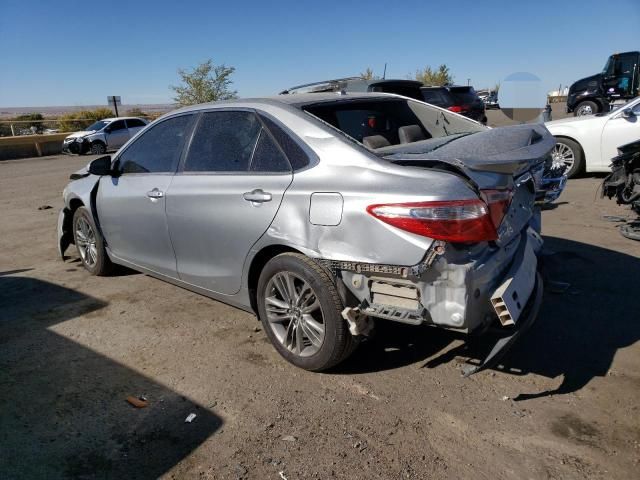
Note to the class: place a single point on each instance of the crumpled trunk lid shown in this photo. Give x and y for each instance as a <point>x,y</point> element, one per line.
<point>506,157</point>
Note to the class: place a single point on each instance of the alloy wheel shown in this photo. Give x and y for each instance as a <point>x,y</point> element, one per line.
<point>294,314</point>
<point>563,154</point>
<point>584,110</point>
<point>86,242</point>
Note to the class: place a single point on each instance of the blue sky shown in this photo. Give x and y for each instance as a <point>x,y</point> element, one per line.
<point>78,52</point>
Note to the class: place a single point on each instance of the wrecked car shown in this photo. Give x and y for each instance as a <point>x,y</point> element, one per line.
<point>322,213</point>
<point>103,135</point>
<point>623,183</point>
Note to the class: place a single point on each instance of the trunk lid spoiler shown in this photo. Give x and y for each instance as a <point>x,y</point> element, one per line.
<point>507,150</point>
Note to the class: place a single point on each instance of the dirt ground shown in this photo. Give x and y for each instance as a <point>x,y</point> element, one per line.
<point>563,404</point>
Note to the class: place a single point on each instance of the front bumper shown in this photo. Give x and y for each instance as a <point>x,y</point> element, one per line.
<point>75,147</point>
<point>551,188</point>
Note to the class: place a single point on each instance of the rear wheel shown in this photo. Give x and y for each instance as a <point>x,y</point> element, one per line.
<point>586,108</point>
<point>90,244</point>
<point>300,310</point>
<point>569,152</point>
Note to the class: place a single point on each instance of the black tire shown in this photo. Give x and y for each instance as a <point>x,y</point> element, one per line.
<point>577,168</point>
<point>98,148</point>
<point>586,108</point>
<point>95,259</point>
<point>338,343</point>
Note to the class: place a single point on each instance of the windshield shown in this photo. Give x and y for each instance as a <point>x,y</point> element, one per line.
<point>99,125</point>
<point>381,122</point>
<point>608,67</point>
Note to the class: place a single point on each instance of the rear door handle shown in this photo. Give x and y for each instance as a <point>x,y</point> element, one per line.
<point>257,196</point>
<point>155,193</point>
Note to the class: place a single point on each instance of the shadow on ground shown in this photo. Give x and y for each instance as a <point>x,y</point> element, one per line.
<point>62,406</point>
<point>577,333</point>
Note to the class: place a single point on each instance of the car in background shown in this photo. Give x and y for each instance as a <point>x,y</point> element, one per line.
<point>491,101</point>
<point>322,212</point>
<point>406,88</point>
<point>103,135</point>
<point>587,143</point>
<point>459,99</point>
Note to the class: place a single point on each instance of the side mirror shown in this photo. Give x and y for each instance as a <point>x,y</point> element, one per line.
<point>628,113</point>
<point>101,166</point>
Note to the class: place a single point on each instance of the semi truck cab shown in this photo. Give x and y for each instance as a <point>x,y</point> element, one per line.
<point>618,81</point>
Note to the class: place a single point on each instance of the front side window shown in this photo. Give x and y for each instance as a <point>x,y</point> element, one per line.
<point>158,149</point>
<point>223,142</point>
<point>117,125</point>
<point>99,125</point>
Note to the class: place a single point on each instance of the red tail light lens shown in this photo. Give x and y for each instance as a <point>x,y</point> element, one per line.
<point>498,202</point>
<point>459,221</point>
<point>455,108</point>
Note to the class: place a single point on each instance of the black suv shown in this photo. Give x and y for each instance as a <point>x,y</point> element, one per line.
<point>458,99</point>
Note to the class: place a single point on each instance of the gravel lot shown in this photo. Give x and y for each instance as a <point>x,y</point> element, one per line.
<point>564,404</point>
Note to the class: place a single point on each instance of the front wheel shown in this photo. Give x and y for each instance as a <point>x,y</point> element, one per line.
<point>300,310</point>
<point>586,108</point>
<point>98,148</point>
<point>90,244</point>
<point>568,152</point>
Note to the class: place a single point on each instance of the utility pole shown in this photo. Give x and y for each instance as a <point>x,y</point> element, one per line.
<point>468,81</point>
<point>384,74</point>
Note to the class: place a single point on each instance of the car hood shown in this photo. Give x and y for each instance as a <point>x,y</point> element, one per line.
<point>583,118</point>
<point>509,150</point>
<point>81,134</point>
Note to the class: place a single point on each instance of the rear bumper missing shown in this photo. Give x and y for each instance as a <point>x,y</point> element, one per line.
<point>504,344</point>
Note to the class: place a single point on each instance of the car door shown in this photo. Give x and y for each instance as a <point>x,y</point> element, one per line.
<point>116,134</point>
<point>134,125</point>
<point>131,205</point>
<point>618,131</point>
<point>224,197</point>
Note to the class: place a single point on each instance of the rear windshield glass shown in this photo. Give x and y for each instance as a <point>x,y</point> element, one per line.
<point>464,95</point>
<point>380,123</point>
<point>441,98</point>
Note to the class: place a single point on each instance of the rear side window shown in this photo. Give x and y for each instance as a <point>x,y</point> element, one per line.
<point>267,157</point>
<point>295,154</point>
<point>158,149</point>
<point>223,142</point>
<point>135,122</point>
<point>464,95</point>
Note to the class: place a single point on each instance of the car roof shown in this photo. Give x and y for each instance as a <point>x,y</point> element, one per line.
<point>111,119</point>
<point>297,100</point>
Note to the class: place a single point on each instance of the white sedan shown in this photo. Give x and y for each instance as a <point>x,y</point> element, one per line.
<point>588,143</point>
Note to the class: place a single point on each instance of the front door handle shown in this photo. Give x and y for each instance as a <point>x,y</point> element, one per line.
<point>155,193</point>
<point>257,196</point>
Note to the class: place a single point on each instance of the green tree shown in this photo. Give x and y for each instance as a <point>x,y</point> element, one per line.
<point>368,74</point>
<point>205,83</point>
<point>439,77</point>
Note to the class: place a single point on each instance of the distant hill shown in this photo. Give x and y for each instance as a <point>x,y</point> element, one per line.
<point>52,112</point>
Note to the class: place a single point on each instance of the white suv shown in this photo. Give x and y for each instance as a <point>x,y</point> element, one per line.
<point>103,135</point>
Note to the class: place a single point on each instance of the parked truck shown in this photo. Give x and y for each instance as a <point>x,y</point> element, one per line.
<point>618,81</point>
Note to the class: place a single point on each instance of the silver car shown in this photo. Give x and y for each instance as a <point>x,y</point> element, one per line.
<point>323,212</point>
<point>104,135</point>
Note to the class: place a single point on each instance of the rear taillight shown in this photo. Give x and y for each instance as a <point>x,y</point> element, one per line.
<point>498,202</point>
<point>458,221</point>
<point>455,108</point>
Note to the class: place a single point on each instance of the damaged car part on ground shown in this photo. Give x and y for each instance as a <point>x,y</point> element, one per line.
<point>624,183</point>
<point>321,212</point>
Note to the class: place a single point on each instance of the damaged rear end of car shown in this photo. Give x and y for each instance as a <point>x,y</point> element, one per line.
<point>479,223</point>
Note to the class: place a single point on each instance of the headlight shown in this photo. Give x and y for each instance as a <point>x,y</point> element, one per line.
<point>80,139</point>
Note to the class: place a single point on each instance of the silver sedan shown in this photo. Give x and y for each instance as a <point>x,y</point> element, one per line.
<point>323,212</point>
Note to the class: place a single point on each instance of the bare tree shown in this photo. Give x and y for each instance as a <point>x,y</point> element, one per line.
<point>205,83</point>
<point>429,76</point>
